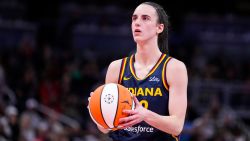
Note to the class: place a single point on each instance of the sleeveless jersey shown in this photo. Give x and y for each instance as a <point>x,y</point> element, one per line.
<point>152,93</point>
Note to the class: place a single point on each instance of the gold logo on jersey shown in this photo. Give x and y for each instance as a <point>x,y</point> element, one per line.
<point>126,78</point>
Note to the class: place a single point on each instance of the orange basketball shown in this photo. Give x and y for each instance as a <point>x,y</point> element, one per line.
<point>107,103</point>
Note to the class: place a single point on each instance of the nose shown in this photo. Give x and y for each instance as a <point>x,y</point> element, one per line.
<point>137,23</point>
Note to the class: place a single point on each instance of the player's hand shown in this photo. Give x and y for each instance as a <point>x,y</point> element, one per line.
<point>136,116</point>
<point>89,98</point>
<point>90,95</point>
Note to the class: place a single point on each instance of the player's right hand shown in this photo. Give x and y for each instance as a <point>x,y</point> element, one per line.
<point>89,98</point>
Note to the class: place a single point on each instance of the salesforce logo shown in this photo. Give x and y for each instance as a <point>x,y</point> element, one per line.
<point>140,129</point>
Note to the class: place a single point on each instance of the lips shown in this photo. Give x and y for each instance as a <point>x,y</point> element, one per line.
<point>137,31</point>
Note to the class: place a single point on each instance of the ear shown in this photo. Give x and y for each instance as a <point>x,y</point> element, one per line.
<point>160,28</point>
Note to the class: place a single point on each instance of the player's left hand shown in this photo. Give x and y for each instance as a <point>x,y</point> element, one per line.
<point>136,116</point>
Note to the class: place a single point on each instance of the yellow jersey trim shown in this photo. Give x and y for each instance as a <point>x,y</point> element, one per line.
<point>175,138</point>
<point>150,72</point>
<point>123,65</point>
<point>164,76</point>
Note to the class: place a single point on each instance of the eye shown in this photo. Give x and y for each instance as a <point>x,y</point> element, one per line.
<point>134,18</point>
<point>145,18</point>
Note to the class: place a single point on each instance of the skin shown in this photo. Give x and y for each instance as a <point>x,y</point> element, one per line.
<point>144,20</point>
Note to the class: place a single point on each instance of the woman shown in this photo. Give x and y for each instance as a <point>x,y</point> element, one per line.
<point>158,81</point>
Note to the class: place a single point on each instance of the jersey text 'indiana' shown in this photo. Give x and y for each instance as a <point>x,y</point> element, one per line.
<point>145,91</point>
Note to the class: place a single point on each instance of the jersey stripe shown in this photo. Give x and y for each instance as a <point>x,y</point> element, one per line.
<point>164,76</point>
<point>176,138</point>
<point>123,64</point>
<point>132,69</point>
<point>158,63</point>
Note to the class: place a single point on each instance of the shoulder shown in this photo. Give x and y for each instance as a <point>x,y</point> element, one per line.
<point>175,65</point>
<point>113,71</point>
<point>114,65</point>
<point>176,70</point>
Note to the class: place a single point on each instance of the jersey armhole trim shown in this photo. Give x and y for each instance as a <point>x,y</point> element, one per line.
<point>164,75</point>
<point>122,69</point>
<point>176,137</point>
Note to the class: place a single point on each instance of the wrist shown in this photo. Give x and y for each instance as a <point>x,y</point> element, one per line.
<point>146,114</point>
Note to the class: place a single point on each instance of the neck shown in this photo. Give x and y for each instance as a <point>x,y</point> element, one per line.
<point>147,53</point>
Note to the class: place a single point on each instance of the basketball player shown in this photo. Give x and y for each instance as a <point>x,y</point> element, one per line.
<point>158,81</point>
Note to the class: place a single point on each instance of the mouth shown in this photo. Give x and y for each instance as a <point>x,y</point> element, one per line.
<point>137,31</point>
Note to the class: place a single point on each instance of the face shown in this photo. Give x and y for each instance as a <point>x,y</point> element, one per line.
<point>144,23</point>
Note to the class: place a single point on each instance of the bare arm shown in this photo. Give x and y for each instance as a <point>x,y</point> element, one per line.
<point>172,124</point>
<point>111,77</point>
<point>113,72</point>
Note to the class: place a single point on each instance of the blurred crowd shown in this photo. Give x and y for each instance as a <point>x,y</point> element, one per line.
<point>45,83</point>
<point>30,80</point>
<point>62,80</point>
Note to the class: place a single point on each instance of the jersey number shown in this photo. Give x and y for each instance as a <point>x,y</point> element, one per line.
<point>144,103</point>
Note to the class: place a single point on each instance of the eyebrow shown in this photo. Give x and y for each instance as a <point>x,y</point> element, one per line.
<point>146,16</point>
<point>141,15</point>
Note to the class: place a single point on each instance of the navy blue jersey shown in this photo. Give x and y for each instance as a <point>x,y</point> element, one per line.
<point>152,93</point>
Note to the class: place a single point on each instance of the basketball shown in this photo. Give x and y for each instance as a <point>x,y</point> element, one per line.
<point>107,103</point>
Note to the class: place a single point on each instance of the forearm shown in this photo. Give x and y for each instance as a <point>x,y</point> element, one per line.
<point>169,124</point>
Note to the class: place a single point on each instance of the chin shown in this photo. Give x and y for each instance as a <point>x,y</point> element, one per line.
<point>138,39</point>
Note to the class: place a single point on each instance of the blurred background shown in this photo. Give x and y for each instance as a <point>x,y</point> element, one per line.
<point>54,53</point>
